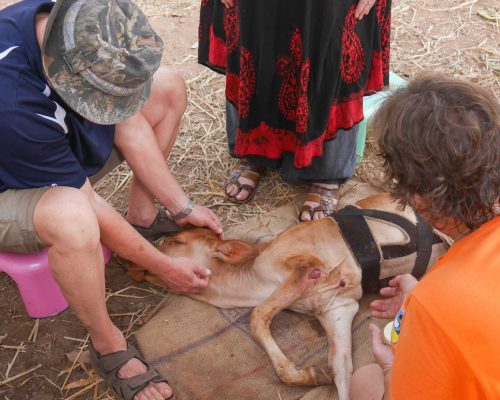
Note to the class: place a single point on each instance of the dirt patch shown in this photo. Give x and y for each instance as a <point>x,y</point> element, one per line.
<point>445,35</point>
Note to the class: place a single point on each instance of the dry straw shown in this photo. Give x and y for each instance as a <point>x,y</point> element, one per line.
<point>431,35</point>
<point>439,36</point>
<point>459,39</point>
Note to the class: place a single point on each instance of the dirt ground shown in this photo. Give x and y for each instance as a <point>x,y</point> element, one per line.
<point>458,38</point>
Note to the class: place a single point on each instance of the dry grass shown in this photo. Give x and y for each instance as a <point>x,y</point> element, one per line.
<point>442,36</point>
<point>459,39</point>
<point>431,35</point>
<point>200,160</point>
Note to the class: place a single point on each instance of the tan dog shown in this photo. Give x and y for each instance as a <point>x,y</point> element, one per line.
<point>308,268</point>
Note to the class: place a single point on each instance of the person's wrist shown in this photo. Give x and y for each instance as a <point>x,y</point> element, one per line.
<point>161,264</point>
<point>184,212</point>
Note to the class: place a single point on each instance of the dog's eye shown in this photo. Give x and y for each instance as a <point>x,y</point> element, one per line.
<point>177,242</point>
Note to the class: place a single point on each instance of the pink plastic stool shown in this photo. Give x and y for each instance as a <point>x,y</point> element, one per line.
<point>40,293</point>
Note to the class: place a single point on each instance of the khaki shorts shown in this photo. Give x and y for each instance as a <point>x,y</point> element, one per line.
<point>17,230</point>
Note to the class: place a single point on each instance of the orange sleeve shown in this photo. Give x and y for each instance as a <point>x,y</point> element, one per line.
<point>427,365</point>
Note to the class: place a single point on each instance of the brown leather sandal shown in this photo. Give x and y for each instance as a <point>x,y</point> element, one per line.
<point>163,225</point>
<point>327,199</point>
<point>250,172</point>
<point>107,367</point>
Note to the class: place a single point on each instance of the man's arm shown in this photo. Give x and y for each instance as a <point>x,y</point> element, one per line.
<point>180,275</point>
<point>135,139</point>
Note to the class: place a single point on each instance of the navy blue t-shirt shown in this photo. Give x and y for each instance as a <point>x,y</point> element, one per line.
<point>42,141</point>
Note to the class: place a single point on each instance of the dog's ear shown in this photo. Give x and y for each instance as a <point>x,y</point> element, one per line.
<point>235,251</point>
<point>139,274</point>
<point>154,280</point>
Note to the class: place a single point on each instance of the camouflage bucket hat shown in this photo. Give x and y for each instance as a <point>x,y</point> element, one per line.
<point>99,56</point>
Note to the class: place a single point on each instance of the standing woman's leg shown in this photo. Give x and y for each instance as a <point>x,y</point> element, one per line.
<point>242,182</point>
<point>325,174</point>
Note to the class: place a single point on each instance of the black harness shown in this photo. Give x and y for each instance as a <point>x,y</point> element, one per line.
<point>357,234</point>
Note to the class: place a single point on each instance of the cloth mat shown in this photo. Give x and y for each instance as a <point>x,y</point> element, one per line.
<point>208,353</point>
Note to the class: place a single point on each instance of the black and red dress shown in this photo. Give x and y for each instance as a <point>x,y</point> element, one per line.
<point>296,73</point>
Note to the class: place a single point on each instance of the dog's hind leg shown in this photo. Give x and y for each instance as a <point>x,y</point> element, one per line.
<point>337,324</point>
<point>306,272</point>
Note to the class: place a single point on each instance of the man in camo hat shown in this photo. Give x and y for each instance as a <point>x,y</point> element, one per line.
<point>79,80</point>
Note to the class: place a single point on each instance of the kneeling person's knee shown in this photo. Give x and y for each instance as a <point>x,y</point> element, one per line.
<point>172,87</point>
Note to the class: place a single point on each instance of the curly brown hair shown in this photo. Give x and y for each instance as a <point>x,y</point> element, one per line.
<point>440,138</point>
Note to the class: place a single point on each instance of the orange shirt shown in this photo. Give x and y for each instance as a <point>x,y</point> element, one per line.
<point>449,344</point>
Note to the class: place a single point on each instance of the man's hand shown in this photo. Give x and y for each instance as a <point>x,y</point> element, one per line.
<point>363,8</point>
<point>382,353</point>
<point>202,216</point>
<point>395,294</point>
<point>185,276</point>
<point>228,3</point>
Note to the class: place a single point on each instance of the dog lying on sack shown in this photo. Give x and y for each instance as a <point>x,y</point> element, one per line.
<point>319,268</point>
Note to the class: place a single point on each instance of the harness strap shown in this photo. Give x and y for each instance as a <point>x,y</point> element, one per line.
<point>357,234</point>
<point>425,241</point>
<point>363,247</point>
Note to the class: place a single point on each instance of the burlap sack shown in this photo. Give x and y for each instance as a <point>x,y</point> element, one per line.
<point>209,354</point>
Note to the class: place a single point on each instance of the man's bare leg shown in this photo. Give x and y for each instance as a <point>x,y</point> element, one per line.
<point>159,119</point>
<point>77,264</point>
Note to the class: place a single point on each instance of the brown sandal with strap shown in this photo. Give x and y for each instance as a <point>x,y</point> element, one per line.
<point>163,225</point>
<point>107,367</point>
<point>326,198</point>
<point>247,171</point>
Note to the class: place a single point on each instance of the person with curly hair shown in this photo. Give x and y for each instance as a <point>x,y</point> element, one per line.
<point>440,138</point>
<point>296,73</point>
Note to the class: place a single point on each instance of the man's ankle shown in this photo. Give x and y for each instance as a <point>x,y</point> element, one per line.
<point>110,343</point>
<point>141,219</point>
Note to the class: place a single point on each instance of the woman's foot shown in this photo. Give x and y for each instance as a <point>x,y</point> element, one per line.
<point>321,201</point>
<point>242,183</point>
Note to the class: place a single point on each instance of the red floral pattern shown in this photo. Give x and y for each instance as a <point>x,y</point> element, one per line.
<point>231,28</point>
<point>353,61</point>
<point>272,143</point>
<point>384,22</point>
<point>232,87</point>
<point>302,117</point>
<point>217,51</point>
<point>293,100</point>
<point>376,76</point>
<point>263,136</point>
<point>247,82</point>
